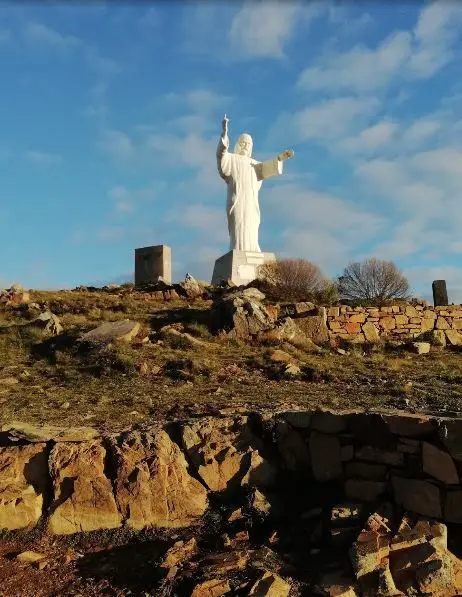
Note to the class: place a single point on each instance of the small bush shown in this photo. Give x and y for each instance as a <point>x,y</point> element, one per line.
<point>296,280</point>
<point>372,282</point>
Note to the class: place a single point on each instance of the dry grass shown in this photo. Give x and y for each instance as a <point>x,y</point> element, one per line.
<point>63,383</point>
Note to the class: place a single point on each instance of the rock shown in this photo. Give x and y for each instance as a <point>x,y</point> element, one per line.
<point>337,584</point>
<point>49,322</point>
<point>315,328</point>
<point>325,456</point>
<point>225,453</point>
<point>450,433</point>
<point>298,419</point>
<point>409,425</point>
<point>442,324</point>
<point>150,466</point>
<point>365,470</point>
<point>83,499</point>
<point>179,553</point>
<point>291,370</point>
<point>191,288</point>
<point>439,338</point>
<point>421,347</point>
<point>372,454</point>
<point>367,553</point>
<point>328,422</point>
<point>19,432</point>
<point>170,331</point>
<point>342,513</point>
<point>360,489</point>
<point>218,564</point>
<point>454,337</point>
<point>439,464</point>
<point>9,381</point>
<point>30,557</point>
<point>112,331</point>
<point>453,506</point>
<point>260,504</point>
<point>24,482</point>
<point>212,588</point>
<point>270,585</point>
<point>293,449</point>
<point>370,332</point>
<point>241,314</point>
<point>279,356</point>
<point>417,496</point>
<point>286,330</point>
<point>386,585</point>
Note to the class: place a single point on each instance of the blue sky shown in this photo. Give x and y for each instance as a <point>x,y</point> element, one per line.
<point>110,115</point>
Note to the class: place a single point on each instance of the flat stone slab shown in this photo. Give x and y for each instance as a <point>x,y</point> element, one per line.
<point>111,331</point>
<point>17,432</point>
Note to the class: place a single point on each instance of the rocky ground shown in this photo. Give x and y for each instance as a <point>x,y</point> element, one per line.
<point>183,354</point>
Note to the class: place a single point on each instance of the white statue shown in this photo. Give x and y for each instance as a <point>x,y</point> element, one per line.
<point>244,177</point>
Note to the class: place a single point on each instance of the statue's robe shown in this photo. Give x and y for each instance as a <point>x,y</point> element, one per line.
<point>244,176</point>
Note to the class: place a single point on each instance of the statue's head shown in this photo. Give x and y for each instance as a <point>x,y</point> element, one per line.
<point>244,145</point>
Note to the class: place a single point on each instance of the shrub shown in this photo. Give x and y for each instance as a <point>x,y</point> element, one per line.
<point>296,279</point>
<point>372,282</point>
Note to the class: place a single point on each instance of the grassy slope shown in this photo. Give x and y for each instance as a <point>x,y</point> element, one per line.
<point>105,387</point>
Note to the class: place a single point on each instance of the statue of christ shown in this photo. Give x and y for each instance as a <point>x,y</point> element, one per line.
<point>244,176</point>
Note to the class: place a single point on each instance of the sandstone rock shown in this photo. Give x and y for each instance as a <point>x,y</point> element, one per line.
<point>386,585</point>
<point>453,506</point>
<point>191,288</point>
<point>372,454</point>
<point>350,513</point>
<point>212,588</point>
<point>337,584</point>
<point>279,356</point>
<point>112,331</point>
<point>286,330</point>
<point>179,553</point>
<point>421,347</point>
<point>417,496</point>
<point>83,499</point>
<point>325,456</point>
<point>241,314</point>
<point>18,431</point>
<point>49,322</point>
<point>9,381</point>
<point>314,327</point>
<point>150,467</point>
<point>409,425</point>
<point>293,449</point>
<point>361,489</point>
<point>225,453</point>
<point>30,557</point>
<point>291,370</point>
<point>298,419</point>
<point>23,484</point>
<point>270,585</point>
<point>439,464</point>
<point>367,553</point>
<point>218,564</point>
<point>454,337</point>
<point>370,332</point>
<point>442,324</point>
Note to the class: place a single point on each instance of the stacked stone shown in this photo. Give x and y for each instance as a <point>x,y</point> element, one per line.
<point>403,322</point>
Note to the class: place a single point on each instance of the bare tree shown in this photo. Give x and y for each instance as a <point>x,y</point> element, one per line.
<point>296,279</point>
<point>372,281</point>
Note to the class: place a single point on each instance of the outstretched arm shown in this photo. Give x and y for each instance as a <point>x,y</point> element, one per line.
<point>286,155</point>
<point>223,157</point>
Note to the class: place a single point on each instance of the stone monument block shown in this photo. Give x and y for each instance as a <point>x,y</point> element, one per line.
<point>152,264</point>
<point>241,267</point>
<point>440,293</point>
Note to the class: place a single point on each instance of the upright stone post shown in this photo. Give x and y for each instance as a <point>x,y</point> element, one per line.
<point>440,293</point>
<point>153,263</point>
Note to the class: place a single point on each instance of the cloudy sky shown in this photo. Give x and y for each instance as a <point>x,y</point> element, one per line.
<point>110,116</point>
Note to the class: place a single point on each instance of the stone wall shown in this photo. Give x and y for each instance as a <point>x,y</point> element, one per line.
<point>163,476</point>
<point>403,322</point>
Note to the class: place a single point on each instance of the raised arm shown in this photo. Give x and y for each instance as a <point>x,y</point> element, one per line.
<point>223,157</point>
<point>286,155</point>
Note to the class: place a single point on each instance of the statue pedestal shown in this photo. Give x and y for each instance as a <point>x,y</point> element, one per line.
<point>241,267</point>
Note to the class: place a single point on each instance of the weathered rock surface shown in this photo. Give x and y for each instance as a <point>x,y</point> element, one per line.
<point>23,471</point>
<point>286,330</point>
<point>17,431</point>
<point>270,585</point>
<point>314,327</point>
<point>439,464</point>
<point>153,486</point>
<point>212,588</point>
<point>83,498</point>
<point>325,456</point>
<point>179,553</point>
<point>190,287</point>
<point>293,449</point>
<point>49,322</point>
<point>418,496</point>
<point>112,331</point>
<point>226,454</point>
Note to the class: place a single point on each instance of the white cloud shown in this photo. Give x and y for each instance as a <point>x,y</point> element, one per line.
<point>371,138</point>
<point>109,234</point>
<point>419,53</point>
<point>206,219</point>
<point>261,29</point>
<point>116,144</point>
<point>420,131</point>
<point>42,158</point>
<point>46,36</point>
<point>122,198</point>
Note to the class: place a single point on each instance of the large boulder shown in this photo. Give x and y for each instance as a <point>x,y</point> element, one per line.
<point>190,287</point>
<point>83,498</point>
<point>225,453</point>
<point>112,331</point>
<point>23,484</point>
<point>153,485</point>
<point>286,330</point>
<point>241,314</point>
<point>315,326</point>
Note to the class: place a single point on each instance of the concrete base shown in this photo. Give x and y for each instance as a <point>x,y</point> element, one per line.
<point>152,264</point>
<point>241,267</point>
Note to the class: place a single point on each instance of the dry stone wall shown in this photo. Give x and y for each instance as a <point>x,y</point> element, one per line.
<point>164,476</point>
<point>399,322</point>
